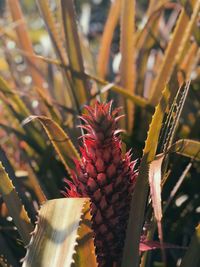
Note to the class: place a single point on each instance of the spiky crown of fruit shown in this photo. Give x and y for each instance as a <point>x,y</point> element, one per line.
<point>101,123</point>
<point>106,176</point>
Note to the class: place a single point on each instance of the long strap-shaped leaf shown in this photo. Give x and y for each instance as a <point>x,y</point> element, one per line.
<point>189,60</point>
<point>20,112</point>
<point>25,41</point>
<point>15,207</point>
<point>62,235</point>
<point>58,44</point>
<point>127,48</point>
<point>188,33</point>
<point>59,139</point>
<point>7,91</point>
<point>169,60</point>
<point>136,99</point>
<point>53,112</point>
<point>104,50</point>
<point>52,29</point>
<point>186,147</point>
<point>173,117</point>
<point>74,50</point>
<point>138,202</point>
<point>155,191</point>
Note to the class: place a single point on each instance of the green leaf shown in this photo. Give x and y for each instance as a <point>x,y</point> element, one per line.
<point>59,139</point>
<point>15,207</point>
<point>60,234</point>
<point>186,147</point>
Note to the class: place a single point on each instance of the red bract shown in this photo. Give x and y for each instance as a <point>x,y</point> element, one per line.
<point>107,177</point>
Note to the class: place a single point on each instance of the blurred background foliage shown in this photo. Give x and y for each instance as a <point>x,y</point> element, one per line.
<point>42,86</point>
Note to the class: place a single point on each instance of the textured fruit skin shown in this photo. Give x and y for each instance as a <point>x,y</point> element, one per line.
<point>106,176</point>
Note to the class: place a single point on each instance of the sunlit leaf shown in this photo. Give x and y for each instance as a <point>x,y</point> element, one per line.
<point>74,50</point>
<point>189,59</point>
<point>104,50</point>
<point>52,29</point>
<point>138,202</point>
<point>15,207</point>
<point>56,38</point>
<point>186,147</point>
<point>137,100</point>
<point>55,241</point>
<point>171,123</point>
<point>25,41</point>
<point>155,191</point>
<point>189,30</point>
<point>128,54</point>
<point>170,58</point>
<point>155,185</point>
<point>153,18</point>
<point>144,42</point>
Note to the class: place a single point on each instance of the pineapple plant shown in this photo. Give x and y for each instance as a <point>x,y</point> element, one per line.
<point>113,213</point>
<point>107,177</point>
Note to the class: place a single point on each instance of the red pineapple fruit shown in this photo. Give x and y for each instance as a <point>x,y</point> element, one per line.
<point>107,177</point>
